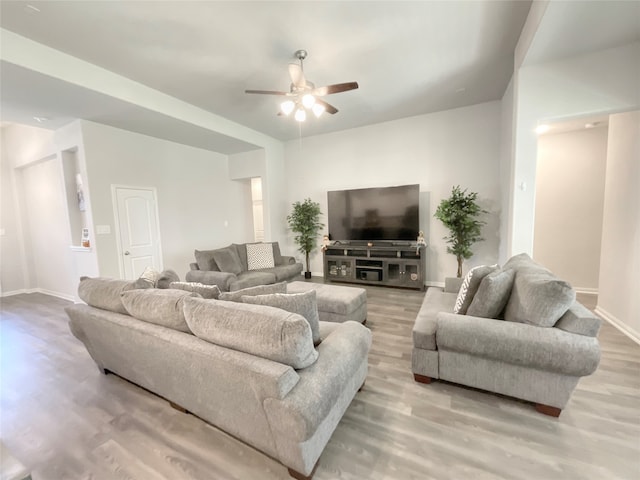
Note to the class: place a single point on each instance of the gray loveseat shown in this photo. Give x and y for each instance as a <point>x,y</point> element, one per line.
<point>538,352</point>
<point>285,398</point>
<point>229,267</point>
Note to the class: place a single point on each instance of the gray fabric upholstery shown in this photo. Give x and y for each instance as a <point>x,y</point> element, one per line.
<point>470,286</point>
<point>228,260</point>
<point>301,303</point>
<point>424,328</point>
<point>241,250</point>
<point>104,293</point>
<point>425,362</point>
<point>252,279</point>
<point>205,260</point>
<point>259,256</point>
<point>166,277</point>
<point>277,256</point>
<point>287,260</point>
<point>326,328</point>
<point>237,295</point>
<point>205,291</point>
<point>284,272</point>
<point>223,280</point>
<point>162,307</point>
<point>579,320</point>
<point>358,315</point>
<point>335,303</point>
<point>492,295</point>
<point>548,349</point>
<point>259,330</point>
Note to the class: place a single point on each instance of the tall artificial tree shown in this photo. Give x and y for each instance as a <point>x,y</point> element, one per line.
<point>304,221</point>
<point>459,213</point>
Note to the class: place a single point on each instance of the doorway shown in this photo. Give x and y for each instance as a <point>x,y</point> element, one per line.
<point>137,230</point>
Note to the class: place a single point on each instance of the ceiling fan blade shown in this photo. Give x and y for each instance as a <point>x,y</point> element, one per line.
<point>266,92</point>
<point>337,88</point>
<point>297,75</point>
<point>327,107</point>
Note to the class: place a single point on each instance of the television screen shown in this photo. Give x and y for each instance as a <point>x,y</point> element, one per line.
<point>388,213</point>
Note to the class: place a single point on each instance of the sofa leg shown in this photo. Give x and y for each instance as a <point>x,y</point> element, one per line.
<point>548,410</point>
<point>178,407</point>
<point>421,378</point>
<point>300,476</point>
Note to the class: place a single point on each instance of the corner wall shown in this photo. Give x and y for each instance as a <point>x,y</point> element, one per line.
<point>618,299</point>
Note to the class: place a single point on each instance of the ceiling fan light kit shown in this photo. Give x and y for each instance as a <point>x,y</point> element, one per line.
<point>303,93</point>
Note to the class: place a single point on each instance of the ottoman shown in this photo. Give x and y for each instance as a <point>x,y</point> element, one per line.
<point>335,303</point>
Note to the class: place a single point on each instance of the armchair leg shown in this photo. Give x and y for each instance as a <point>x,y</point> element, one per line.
<point>300,476</point>
<point>421,378</point>
<point>548,410</point>
<point>178,407</point>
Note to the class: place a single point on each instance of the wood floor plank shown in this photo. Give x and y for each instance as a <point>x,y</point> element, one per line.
<point>63,419</point>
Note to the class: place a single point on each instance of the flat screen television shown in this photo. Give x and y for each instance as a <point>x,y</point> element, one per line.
<point>366,214</point>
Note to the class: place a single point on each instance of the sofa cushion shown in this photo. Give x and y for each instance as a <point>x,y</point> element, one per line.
<point>470,287</point>
<point>160,307</point>
<point>259,255</point>
<point>227,260</point>
<point>492,295</point>
<point>205,291</point>
<point>166,277</point>
<point>237,295</point>
<point>104,293</point>
<point>285,271</point>
<point>579,319</point>
<point>538,297</point>
<point>252,279</point>
<point>205,260</point>
<point>301,303</point>
<point>267,332</point>
<point>277,256</point>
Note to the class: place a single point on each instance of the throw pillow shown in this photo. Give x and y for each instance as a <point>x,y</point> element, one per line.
<point>205,260</point>
<point>227,260</point>
<point>161,307</point>
<point>166,277</point>
<point>301,303</point>
<point>260,255</point>
<point>257,290</point>
<point>104,293</point>
<point>259,330</point>
<point>492,295</point>
<point>206,291</point>
<point>470,287</point>
<point>148,278</point>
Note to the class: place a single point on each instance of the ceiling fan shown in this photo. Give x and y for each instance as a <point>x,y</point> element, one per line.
<point>303,94</point>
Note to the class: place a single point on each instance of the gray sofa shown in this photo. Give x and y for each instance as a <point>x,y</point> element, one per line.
<point>537,350</point>
<point>229,269</point>
<point>250,370</point>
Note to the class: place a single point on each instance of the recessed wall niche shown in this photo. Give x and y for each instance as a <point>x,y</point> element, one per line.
<point>75,193</point>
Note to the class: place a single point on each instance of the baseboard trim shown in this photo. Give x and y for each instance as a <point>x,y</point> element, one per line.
<point>434,284</point>
<point>586,291</point>
<point>51,293</point>
<point>620,325</point>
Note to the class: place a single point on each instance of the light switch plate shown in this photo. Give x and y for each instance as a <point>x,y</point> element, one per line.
<point>103,229</point>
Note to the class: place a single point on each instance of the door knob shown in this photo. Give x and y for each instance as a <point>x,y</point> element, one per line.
<point>127,252</point>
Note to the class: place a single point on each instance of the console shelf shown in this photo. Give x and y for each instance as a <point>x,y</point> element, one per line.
<point>387,265</point>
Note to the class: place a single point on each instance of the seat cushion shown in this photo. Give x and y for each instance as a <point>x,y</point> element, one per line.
<point>285,271</point>
<point>259,330</point>
<point>252,279</point>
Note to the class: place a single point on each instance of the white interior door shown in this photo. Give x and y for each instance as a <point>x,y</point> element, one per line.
<point>139,236</point>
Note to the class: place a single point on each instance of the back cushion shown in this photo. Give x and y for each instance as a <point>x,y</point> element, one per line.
<point>161,307</point>
<point>538,297</point>
<point>259,330</point>
<point>104,293</point>
<point>227,260</point>
<point>206,291</point>
<point>205,260</point>
<point>257,290</point>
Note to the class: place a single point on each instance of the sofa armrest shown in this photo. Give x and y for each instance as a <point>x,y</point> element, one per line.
<point>342,355</point>
<point>548,349</point>
<point>222,279</point>
<point>193,266</point>
<point>287,260</point>
<point>452,284</point>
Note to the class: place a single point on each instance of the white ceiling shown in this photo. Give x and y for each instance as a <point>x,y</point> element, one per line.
<point>409,58</point>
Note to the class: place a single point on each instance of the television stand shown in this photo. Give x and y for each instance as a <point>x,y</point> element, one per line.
<point>387,265</point>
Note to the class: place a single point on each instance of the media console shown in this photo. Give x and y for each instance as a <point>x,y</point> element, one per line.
<point>387,264</point>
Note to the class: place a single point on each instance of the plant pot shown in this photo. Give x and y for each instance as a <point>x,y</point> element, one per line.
<point>307,275</point>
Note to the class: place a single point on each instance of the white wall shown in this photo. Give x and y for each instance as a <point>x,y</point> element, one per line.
<point>438,151</point>
<point>598,82</point>
<point>569,203</point>
<point>618,300</point>
<point>199,207</point>
<point>506,153</point>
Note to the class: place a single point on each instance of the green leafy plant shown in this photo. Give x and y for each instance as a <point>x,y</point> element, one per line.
<point>459,214</point>
<point>304,221</point>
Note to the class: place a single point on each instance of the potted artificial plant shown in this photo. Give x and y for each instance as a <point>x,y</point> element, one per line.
<point>304,221</point>
<point>459,214</point>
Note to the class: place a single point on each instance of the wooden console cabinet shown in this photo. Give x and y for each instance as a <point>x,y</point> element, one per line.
<point>388,265</point>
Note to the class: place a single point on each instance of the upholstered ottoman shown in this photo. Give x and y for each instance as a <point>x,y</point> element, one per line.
<point>335,303</point>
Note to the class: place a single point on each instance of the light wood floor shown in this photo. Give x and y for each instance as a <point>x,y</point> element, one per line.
<point>65,420</point>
